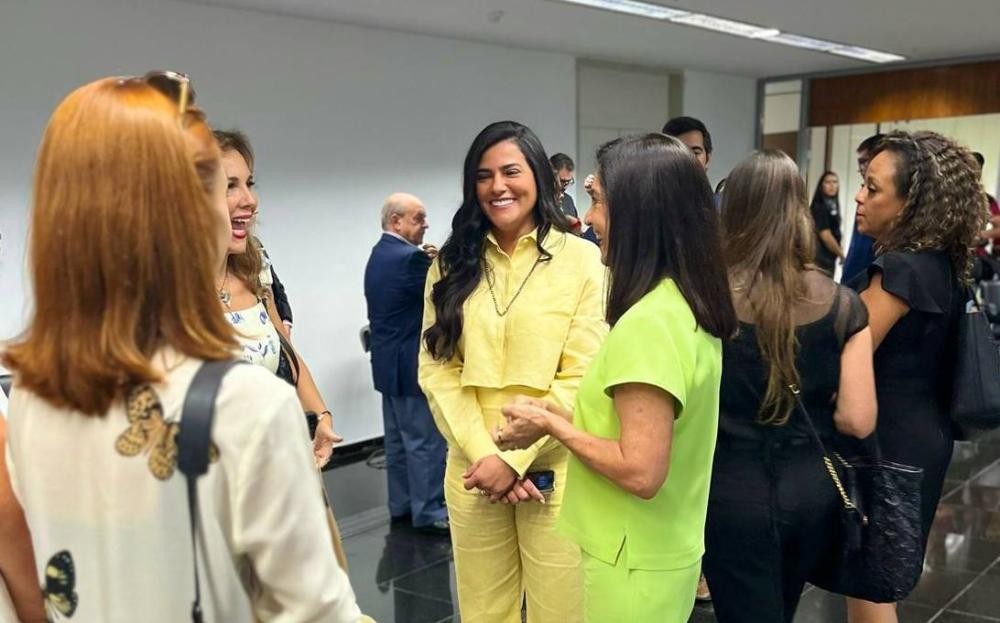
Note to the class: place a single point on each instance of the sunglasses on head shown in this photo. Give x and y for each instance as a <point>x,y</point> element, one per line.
<point>176,86</point>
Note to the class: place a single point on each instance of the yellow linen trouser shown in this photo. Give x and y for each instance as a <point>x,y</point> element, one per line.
<point>503,552</point>
<point>622,595</point>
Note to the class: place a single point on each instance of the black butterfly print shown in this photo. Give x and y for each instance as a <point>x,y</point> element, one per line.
<point>59,590</point>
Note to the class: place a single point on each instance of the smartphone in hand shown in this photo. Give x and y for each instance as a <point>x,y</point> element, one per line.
<point>544,481</point>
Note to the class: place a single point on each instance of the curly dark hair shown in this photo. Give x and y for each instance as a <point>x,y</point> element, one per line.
<point>945,206</point>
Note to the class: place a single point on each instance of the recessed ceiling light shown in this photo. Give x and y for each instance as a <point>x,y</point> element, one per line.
<point>632,7</point>
<point>798,41</point>
<point>728,26</point>
<point>864,54</point>
<point>741,29</point>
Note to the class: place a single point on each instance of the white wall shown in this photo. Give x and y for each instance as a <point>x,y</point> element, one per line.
<point>817,155</point>
<point>727,105</point>
<point>977,132</point>
<point>614,101</point>
<point>340,117</point>
<point>782,106</point>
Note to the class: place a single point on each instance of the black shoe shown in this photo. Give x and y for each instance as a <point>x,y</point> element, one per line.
<point>398,519</point>
<point>441,527</point>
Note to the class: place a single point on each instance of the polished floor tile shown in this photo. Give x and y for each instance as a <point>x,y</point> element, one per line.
<point>982,597</point>
<point>938,587</point>
<point>961,617</point>
<point>403,576</point>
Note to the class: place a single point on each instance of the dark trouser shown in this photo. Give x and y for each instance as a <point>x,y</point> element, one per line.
<point>414,459</point>
<point>773,517</point>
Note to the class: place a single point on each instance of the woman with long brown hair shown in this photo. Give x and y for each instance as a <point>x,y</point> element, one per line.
<point>245,287</point>
<point>923,203</point>
<point>772,511</point>
<point>128,223</point>
<point>643,428</point>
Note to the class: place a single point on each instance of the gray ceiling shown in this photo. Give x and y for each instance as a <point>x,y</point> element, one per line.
<point>917,29</point>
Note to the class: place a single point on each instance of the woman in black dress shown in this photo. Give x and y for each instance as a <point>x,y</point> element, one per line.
<point>825,209</point>
<point>773,510</point>
<point>923,203</point>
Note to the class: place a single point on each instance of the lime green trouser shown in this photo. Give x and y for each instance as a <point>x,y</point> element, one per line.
<point>617,593</point>
<point>504,554</point>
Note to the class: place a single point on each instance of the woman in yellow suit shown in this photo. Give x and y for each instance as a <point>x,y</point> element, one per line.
<point>513,306</point>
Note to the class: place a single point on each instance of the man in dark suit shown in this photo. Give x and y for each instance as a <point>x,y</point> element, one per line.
<point>394,289</point>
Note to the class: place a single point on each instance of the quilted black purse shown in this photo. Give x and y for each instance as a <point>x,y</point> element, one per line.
<point>975,395</point>
<point>880,552</point>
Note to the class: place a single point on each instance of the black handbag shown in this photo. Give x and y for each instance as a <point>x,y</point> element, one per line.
<point>880,554</point>
<point>975,394</point>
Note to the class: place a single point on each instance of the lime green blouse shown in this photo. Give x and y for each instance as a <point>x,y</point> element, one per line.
<point>656,342</point>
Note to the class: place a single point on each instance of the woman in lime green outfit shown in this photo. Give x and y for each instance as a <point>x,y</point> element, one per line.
<point>642,434</point>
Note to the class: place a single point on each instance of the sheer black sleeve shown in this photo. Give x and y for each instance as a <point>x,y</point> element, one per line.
<point>852,315</point>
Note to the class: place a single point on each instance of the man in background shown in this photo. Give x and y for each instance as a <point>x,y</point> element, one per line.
<point>861,252</point>
<point>394,290</point>
<point>562,166</point>
<point>693,133</point>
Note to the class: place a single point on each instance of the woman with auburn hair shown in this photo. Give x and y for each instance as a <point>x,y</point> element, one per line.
<point>245,286</point>
<point>128,222</point>
<point>923,203</point>
<point>773,512</point>
<point>642,432</point>
<point>513,306</point>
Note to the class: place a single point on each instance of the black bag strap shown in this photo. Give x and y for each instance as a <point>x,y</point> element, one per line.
<point>293,359</point>
<point>193,445</point>
<point>827,461</point>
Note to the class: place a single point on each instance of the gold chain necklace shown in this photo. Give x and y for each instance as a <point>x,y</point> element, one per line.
<point>490,278</point>
<point>224,294</point>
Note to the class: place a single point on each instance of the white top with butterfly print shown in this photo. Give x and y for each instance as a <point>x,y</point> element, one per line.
<point>109,517</point>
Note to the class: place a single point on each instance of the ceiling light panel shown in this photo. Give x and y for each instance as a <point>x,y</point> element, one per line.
<point>740,29</point>
<point>864,54</point>
<point>632,7</point>
<point>798,41</point>
<point>728,26</point>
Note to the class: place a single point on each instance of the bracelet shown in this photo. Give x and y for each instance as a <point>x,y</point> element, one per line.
<point>322,413</point>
